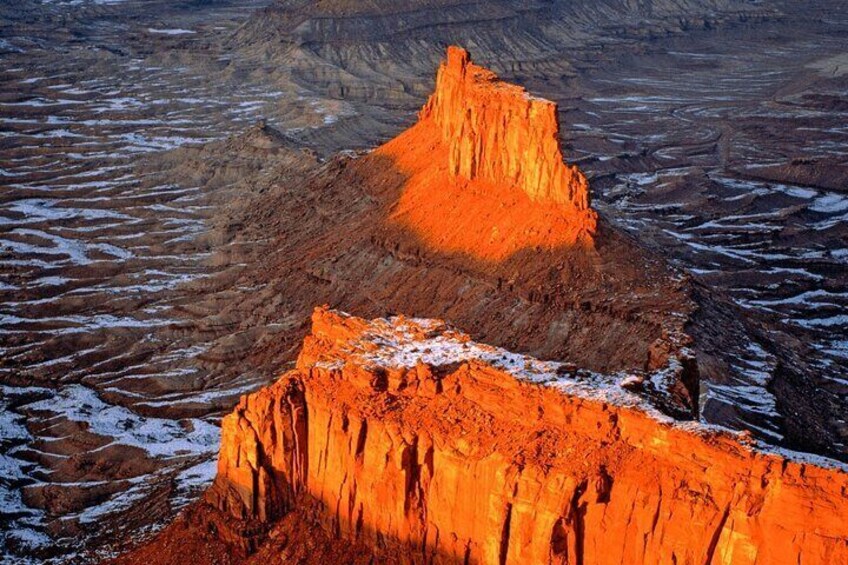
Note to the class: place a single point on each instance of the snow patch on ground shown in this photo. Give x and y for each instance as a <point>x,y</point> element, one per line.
<point>193,480</point>
<point>157,436</point>
<point>404,342</point>
<point>175,31</point>
<point>24,521</point>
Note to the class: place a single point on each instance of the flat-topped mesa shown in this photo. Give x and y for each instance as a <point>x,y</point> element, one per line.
<point>408,437</point>
<point>497,132</point>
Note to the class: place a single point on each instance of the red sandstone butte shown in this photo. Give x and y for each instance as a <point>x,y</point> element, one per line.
<point>417,442</point>
<point>498,132</point>
<point>485,173</point>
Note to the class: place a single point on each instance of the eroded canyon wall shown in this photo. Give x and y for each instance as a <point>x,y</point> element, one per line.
<point>411,436</point>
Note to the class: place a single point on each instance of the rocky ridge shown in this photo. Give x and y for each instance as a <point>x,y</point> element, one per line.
<point>406,436</point>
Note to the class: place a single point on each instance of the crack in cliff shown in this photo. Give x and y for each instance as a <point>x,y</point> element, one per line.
<point>559,541</point>
<point>654,521</point>
<point>325,454</point>
<point>714,539</point>
<point>505,532</point>
<point>410,465</point>
<point>337,523</point>
<point>299,422</point>
<point>360,441</point>
<point>579,508</point>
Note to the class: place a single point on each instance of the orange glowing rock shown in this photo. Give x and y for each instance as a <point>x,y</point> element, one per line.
<point>486,176</point>
<point>415,439</point>
<point>497,132</point>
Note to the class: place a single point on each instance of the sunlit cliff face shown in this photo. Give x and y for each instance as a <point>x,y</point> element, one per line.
<point>486,176</point>
<point>414,438</point>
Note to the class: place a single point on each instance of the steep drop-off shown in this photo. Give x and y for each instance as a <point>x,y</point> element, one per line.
<point>498,132</point>
<point>425,447</point>
<point>485,174</point>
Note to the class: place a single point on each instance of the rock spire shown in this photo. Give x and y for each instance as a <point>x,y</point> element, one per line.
<point>499,133</point>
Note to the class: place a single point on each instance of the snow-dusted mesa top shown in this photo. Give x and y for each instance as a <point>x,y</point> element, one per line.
<point>405,342</point>
<point>400,342</point>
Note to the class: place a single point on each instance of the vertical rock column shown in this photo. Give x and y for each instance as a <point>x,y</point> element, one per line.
<point>499,133</point>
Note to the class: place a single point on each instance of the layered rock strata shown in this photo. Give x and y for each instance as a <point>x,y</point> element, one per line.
<point>484,171</point>
<point>499,133</point>
<point>416,440</point>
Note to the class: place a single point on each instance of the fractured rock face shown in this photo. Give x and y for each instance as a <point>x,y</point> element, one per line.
<point>484,171</point>
<point>413,439</point>
<point>499,133</point>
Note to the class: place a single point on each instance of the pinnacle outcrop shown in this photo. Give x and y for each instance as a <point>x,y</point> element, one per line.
<point>484,169</point>
<point>498,132</point>
<point>410,438</point>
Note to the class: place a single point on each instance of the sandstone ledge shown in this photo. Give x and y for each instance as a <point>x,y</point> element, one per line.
<point>413,438</point>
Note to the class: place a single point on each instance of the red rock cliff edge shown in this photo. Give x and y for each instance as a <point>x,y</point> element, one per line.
<point>484,171</point>
<point>414,439</point>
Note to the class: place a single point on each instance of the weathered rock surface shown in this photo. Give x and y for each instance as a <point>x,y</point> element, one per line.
<point>423,444</point>
<point>485,174</point>
<point>498,132</point>
<point>630,106</point>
